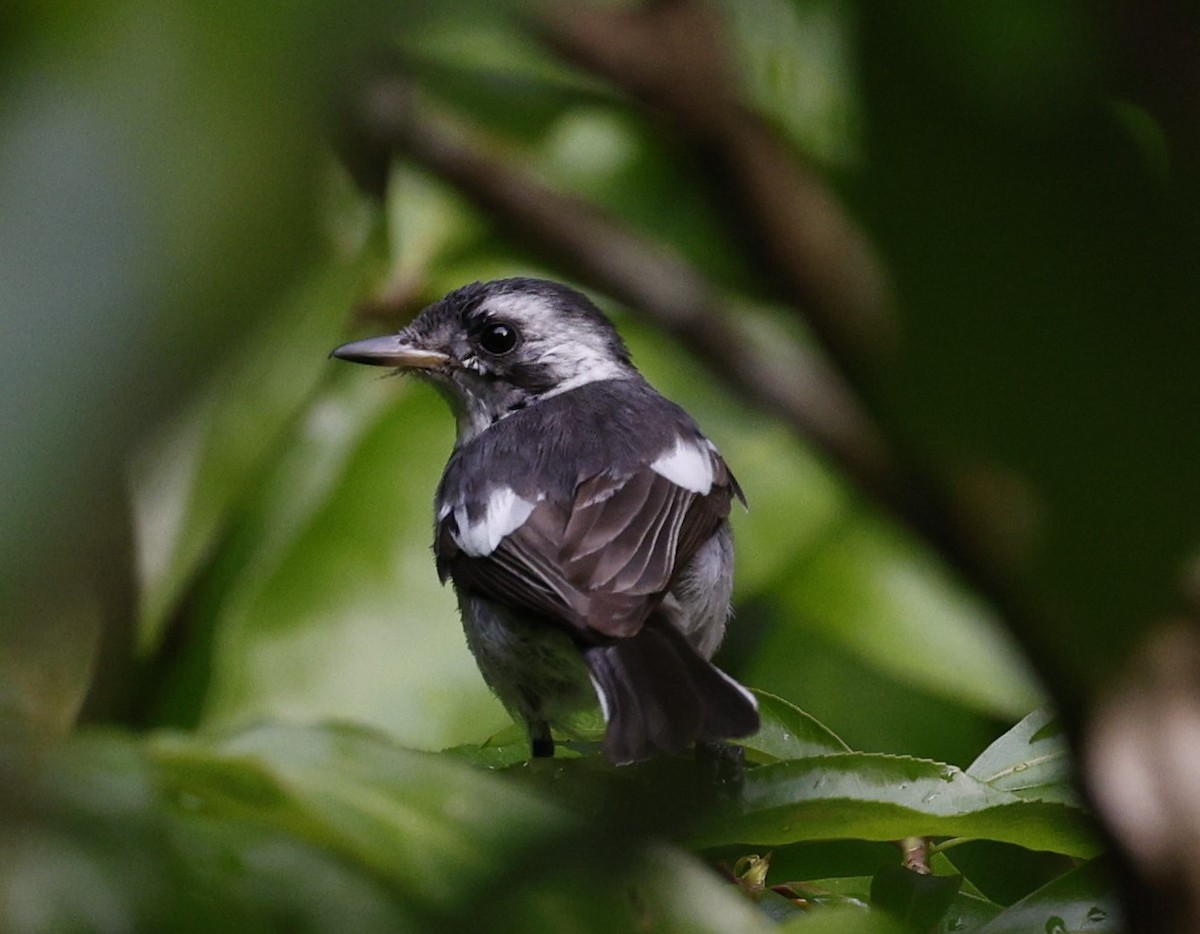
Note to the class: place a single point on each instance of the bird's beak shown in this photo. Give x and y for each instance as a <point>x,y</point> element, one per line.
<point>394,350</point>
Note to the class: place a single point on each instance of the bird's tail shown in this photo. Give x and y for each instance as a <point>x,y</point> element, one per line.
<point>659,695</point>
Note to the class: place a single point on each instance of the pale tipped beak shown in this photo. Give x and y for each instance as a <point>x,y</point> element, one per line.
<point>393,350</point>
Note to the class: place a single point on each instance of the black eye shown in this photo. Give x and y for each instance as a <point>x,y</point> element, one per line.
<point>498,339</point>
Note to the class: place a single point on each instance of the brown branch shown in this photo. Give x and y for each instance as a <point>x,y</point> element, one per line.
<point>1139,761</point>
<point>672,56</point>
<point>796,386</point>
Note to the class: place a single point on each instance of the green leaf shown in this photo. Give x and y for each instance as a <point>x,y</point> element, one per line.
<point>966,911</point>
<point>427,825</point>
<point>316,828</point>
<point>844,892</point>
<point>918,900</point>
<point>1032,760</point>
<point>681,894</point>
<point>844,920</point>
<point>940,863</point>
<point>510,747</point>
<point>880,797</point>
<point>1079,901</point>
<point>787,732</point>
<point>110,846</point>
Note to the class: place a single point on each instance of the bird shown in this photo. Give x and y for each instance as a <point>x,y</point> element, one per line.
<point>582,519</point>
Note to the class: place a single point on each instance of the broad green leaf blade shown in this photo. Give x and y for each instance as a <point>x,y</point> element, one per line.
<point>427,825</point>
<point>681,894</point>
<point>509,746</point>
<point>842,921</point>
<point>939,862</point>
<point>1031,760</point>
<point>844,892</point>
<point>787,732</point>
<point>655,888</point>
<point>109,845</point>
<point>967,913</point>
<point>325,829</point>
<point>279,882</point>
<point>1080,902</point>
<point>880,797</point>
<point>676,892</point>
<point>968,910</point>
<point>440,833</point>
<point>920,901</point>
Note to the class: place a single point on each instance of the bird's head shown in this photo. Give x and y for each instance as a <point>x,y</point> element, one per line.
<point>493,348</point>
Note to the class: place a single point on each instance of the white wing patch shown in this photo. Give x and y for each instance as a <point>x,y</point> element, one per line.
<point>605,712</point>
<point>506,512</point>
<point>742,689</point>
<point>687,465</point>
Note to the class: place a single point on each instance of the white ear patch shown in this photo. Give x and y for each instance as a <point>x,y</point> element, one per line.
<point>687,465</point>
<point>506,512</point>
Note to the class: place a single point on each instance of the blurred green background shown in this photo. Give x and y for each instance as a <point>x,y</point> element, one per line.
<point>207,528</point>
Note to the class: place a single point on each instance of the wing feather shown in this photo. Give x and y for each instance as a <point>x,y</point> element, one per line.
<point>601,563</point>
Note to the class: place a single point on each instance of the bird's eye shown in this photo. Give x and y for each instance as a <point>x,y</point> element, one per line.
<point>498,339</point>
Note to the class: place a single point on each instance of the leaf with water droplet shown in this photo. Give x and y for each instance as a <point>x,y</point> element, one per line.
<point>871,796</point>
<point>787,732</point>
<point>918,900</point>
<point>1031,760</point>
<point>1081,901</point>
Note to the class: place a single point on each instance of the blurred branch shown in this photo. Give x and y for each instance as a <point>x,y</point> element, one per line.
<point>1140,764</point>
<point>672,56</point>
<point>803,390</point>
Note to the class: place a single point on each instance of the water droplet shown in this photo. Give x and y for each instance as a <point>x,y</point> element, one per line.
<point>1020,767</point>
<point>1056,925</point>
<point>930,796</point>
<point>1097,914</point>
<point>955,924</point>
<point>947,774</point>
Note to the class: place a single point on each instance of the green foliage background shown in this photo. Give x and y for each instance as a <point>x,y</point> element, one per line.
<point>226,536</point>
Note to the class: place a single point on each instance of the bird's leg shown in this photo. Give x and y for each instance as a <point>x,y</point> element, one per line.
<point>541,743</point>
<point>720,767</point>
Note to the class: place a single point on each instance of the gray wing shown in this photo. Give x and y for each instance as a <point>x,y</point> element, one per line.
<point>602,562</point>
